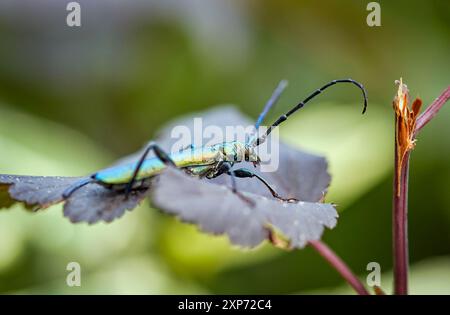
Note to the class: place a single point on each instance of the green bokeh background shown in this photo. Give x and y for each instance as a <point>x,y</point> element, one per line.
<point>74,99</point>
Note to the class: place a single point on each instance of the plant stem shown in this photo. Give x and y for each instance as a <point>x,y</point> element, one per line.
<point>337,263</point>
<point>400,199</point>
<point>432,110</point>
<point>400,226</point>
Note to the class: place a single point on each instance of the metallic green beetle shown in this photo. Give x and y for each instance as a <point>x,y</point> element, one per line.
<point>205,162</point>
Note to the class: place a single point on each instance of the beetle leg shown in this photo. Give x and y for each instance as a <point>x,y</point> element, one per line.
<point>225,168</point>
<point>190,147</point>
<point>245,173</point>
<point>69,191</point>
<point>160,154</point>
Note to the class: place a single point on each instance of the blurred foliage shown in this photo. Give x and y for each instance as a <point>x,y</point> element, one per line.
<point>72,100</point>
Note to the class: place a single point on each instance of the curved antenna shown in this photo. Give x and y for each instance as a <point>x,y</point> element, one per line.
<point>282,118</point>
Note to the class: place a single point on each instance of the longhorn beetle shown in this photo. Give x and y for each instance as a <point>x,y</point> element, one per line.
<point>204,162</point>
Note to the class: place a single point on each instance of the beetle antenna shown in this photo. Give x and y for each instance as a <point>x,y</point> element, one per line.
<point>282,118</point>
<point>271,102</point>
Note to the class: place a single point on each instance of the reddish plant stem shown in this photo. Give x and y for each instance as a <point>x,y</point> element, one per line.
<point>400,200</point>
<point>432,110</point>
<point>337,263</point>
<point>400,227</point>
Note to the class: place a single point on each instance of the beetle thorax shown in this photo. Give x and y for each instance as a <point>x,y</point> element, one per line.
<point>237,151</point>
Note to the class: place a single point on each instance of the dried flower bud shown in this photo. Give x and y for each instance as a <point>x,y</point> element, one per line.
<point>405,122</point>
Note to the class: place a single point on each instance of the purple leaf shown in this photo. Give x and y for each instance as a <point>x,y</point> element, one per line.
<point>34,191</point>
<point>217,210</point>
<point>95,203</point>
<point>90,204</point>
